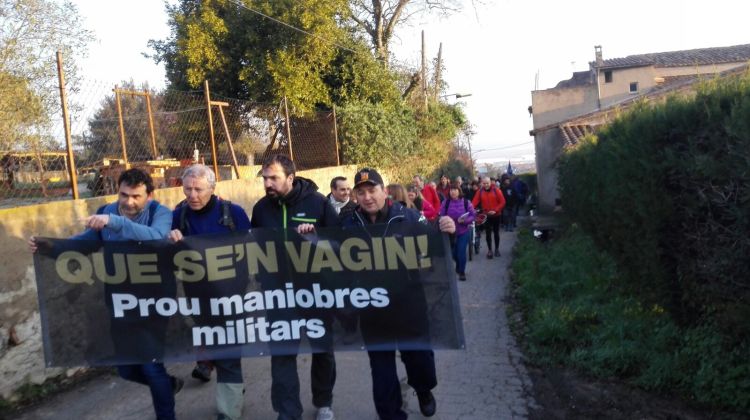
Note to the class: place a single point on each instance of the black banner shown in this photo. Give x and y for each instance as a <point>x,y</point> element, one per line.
<point>267,291</point>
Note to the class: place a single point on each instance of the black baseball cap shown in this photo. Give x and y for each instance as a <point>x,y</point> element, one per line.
<point>367,176</point>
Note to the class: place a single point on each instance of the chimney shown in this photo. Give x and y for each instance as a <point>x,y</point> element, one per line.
<point>598,53</point>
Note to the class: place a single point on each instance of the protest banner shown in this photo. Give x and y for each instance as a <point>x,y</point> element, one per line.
<point>246,294</point>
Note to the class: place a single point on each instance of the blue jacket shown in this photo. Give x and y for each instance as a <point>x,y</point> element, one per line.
<point>207,219</point>
<point>121,228</point>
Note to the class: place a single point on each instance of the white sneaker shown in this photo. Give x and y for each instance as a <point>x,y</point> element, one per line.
<point>325,413</point>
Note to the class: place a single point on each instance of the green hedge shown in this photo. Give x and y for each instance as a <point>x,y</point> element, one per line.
<point>665,190</point>
<point>576,315</point>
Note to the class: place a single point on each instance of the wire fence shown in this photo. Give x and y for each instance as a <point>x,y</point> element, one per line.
<point>114,127</point>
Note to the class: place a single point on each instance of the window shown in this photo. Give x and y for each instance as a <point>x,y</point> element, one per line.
<point>633,87</point>
<point>608,76</point>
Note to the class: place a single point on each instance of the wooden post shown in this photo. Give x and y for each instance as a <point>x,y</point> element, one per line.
<point>288,130</point>
<point>211,129</point>
<point>71,164</point>
<point>424,72</point>
<point>122,128</point>
<point>229,141</point>
<point>336,137</point>
<point>154,150</point>
<point>438,71</point>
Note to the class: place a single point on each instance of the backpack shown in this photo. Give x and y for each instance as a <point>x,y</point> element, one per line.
<point>152,206</point>
<point>466,205</point>
<point>225,220</point>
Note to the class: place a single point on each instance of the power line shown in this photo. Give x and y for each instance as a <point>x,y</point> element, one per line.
<point>300,30</point>
<point>504,147</point>
<point>240,4</point>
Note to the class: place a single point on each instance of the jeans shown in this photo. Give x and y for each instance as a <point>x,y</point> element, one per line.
<point>386,388</point>
<point>285,384</point>
<point>459,252</point>
<point>159,382</point>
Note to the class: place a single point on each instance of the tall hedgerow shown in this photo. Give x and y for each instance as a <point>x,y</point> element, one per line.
<point>665,189</point>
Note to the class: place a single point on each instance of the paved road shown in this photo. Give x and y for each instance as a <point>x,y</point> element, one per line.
<point>485,381</point>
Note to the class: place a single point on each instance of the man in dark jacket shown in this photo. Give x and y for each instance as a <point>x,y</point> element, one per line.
<point>374,208</point>
<point>292,202</point>
<point>203,212</point>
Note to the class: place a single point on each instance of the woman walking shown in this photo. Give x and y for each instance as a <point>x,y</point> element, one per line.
<point>462,212</point>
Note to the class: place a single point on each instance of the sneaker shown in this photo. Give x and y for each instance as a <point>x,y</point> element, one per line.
<point>427,404</point>
<point>202,372</point>
<point>324,413</point>
<point>177,384</point>
<point>462,277</point>
<point>497,252</point>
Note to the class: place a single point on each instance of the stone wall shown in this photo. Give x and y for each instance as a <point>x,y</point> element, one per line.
<point>21,357</point>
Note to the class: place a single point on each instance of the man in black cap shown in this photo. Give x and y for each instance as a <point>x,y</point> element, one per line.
<point>374,208</point>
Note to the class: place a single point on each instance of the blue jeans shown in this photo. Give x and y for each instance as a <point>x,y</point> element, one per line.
<point>459,252</point>
<point>159,382</point>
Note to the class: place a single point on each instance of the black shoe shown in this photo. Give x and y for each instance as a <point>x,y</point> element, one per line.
<point>497,252</point>
<point>202,372</point>
<point>489,254</point>
<point>177,384</point>
<point>462,277</point>
<point>427,404</point>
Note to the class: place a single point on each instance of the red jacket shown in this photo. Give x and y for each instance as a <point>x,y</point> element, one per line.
<point>429,194</point>
<point>429,212</point>
<point>491,200</point>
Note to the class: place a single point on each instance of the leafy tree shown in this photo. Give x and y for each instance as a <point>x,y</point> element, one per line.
<point>31,31</point>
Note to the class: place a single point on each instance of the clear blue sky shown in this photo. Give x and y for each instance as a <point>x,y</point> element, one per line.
<point>492,49</point>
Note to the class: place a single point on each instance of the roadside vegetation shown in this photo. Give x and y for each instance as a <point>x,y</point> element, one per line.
<point>650,281</point>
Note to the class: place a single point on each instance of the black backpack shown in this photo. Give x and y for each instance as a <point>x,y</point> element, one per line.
<point>225,220</point>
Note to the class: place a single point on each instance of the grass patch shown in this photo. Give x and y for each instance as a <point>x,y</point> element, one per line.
<point>575,316</point>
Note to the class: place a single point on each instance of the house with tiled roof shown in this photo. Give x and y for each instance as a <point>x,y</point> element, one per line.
<point>591,98</point>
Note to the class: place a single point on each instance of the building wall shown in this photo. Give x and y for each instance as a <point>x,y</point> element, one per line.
<point>555,105</point>
<point>23,362</point>
<point>549,145</point>
<point>619,88</point>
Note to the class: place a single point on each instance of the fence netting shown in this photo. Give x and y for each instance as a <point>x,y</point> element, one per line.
<point>114,127</point>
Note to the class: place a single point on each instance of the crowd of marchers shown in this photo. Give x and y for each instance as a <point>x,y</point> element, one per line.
<point>294,202</point>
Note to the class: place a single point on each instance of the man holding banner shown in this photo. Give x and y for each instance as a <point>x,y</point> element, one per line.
<point>203,212</point>
<point>291,201</point>
<point>405,325</point>
<point>134,217</point>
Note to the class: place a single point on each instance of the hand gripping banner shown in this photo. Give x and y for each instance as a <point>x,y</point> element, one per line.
<point>246,294</point>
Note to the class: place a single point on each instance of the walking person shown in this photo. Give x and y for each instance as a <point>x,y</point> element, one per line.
<point>460,209</point>
<point>423,206</point>
<point>492,202</point>
<point>428,193</point>
<point>135,216</point>
<point>443,187</point>
<point>375,208</point>
<point>511,202</point>
<point>293,202</point>
<point>203,212</point>
<point>522,194</point>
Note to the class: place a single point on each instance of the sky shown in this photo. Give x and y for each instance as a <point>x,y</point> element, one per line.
<point>492,50</point>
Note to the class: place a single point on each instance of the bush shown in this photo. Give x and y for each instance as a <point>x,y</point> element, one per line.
<point>577,316</point>
<point>665,189</point>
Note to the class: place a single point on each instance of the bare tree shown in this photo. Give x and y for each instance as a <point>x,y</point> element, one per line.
<point>379,18</point>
